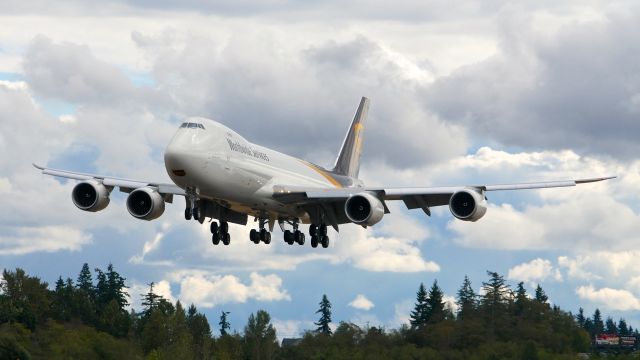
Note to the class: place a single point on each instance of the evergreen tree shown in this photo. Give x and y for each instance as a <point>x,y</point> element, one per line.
<point>200,332</point>
<point>598,325</point>
<point>150,300</point>
<point>623,329</point>
<point>224,324</point>
<point>541,297</point>
<point>435,304</point>
<point>610,326</point>
<point>494,301</point>
<point>325,316</point>
<point>580,319</point>
<point>85,296</point>
<point>466,299</point>
<point>116,288</point>
<point>260,336</point>
<point>418,316</point>
<point>521,299</point>
<point>62,302</point>
<point>85,281</point>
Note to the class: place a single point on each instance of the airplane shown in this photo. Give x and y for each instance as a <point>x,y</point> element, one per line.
<point>228,179</point>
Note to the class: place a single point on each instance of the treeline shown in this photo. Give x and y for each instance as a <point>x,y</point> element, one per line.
<point>88,318</point>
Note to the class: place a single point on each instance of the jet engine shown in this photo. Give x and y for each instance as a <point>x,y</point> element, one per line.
<point>90,195</point>
<point>364,209</point>
<point>145,203</point>
<point>467,205</point>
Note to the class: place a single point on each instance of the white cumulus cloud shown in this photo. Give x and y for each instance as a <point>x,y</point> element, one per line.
<point>611,299</point>
<point>361,303</point>
<point>211,290</point>
<point>534,271</point>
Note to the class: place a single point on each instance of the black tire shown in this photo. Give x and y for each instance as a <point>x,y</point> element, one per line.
<point>313,230</point>
<point>226,239</point>
<point>314,241</point>
<point>263,235</point>
<point>267,238</point>
<point>325,241</point>
<point>300,239</point>
<point>214,227</point>
<point>322,230</point>
<point>196,214</point>
<point>187,214</point>
<point>288,237</point>
<point>224,227</point>
<point>215,239</point>
<point>254,236</point>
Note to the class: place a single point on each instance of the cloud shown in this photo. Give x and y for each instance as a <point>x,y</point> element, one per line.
<point>212,290</point>
<point>24,240</point>
<point>612,299</point>
<point>361,303</point>
<point>534,271</point>
<point>574,82</point>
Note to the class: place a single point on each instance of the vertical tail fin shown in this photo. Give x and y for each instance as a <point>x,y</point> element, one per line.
<point>348,162</point>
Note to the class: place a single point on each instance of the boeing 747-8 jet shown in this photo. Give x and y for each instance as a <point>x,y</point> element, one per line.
<point>228,179</point>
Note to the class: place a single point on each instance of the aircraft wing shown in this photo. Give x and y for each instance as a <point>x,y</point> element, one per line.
<point>414,198</point>
<point>125,185</point>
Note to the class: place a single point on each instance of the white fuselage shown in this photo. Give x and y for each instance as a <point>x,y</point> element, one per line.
<point>220,165</point>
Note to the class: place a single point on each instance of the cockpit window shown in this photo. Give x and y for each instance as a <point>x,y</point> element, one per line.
<point>192,126</point>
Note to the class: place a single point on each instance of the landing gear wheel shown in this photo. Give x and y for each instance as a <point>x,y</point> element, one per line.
<point>263,235</point>
<point>224,227</point>
<point>288,237</point>
<point>187,214</point>
<point>196,214</point>
<point>214,227</point>
<point>325,241</point>
<point>267,238</point>
<point>215,239</point>
<point>313,230</point>
<point>254,236</point>
<point>299,237</point>
<point>226,238</point>
<point>314,241</point>
<point>322,230</point>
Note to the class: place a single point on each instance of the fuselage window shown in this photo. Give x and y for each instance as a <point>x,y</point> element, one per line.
<point>192,126</point>
<point>184,125</point>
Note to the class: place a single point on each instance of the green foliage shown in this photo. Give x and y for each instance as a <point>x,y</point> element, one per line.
<point>88,321</point>
<point>325,316</point>
<point>260,336</point>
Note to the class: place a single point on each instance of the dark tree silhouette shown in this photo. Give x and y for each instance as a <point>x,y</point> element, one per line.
<point>325,316</point>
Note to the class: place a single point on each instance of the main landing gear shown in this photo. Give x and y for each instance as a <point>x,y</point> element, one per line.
<point>319,235</point>
<point>260,235</point>
<point>220,233</point>
<point>295,236</point>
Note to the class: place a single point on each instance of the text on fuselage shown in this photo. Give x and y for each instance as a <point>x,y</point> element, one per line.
<point>243,149</point>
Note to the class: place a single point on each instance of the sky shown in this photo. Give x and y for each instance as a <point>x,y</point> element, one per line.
<point>461,93</point>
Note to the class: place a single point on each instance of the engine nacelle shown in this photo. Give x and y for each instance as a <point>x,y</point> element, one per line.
<point>90,195</point>
<point>364,209</point>
<point>467,205</point>
<point>145,203</point>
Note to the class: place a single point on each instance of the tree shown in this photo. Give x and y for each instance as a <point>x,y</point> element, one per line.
<point>25,298</point>
<point>150,300</point>
<point>84,302</point>
<point>541,297</point>
<point>224,324</point>
<point>610,326</point>
<point>521,299</point>
<point>418,317</point>
<point>622,327</point>
<point>494,300</point>
<point>435,304</point>
<point>260,336</point>
<point>325,316</point>
<point>62,302</point>
<point>200,332</point>
<point>467,299</point>
<point>598,325</point>
<point>580,319</point>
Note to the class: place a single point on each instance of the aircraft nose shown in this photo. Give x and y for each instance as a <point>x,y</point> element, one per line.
<point>175,159</point>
